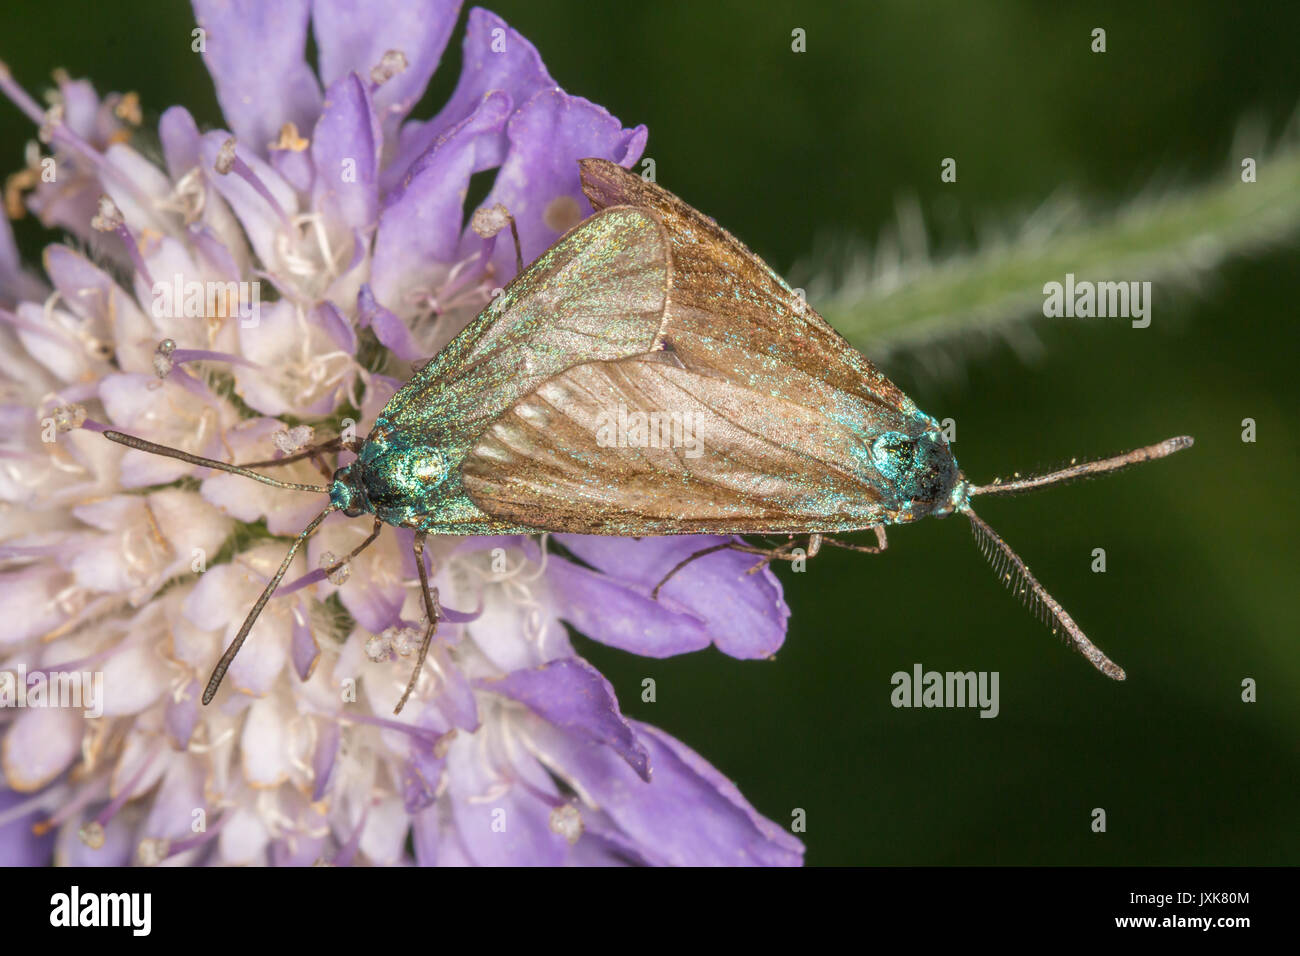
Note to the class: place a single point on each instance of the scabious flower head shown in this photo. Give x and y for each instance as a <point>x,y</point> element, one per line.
<point>239,294</point>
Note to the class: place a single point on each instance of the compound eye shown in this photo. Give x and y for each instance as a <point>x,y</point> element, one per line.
<point>353,511</point>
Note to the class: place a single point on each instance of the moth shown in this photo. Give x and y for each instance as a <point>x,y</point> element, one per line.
<point>649,310</point>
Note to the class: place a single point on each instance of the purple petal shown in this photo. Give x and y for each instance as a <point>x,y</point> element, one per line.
<point>327,750</point>
<point>420,227</point>
<point>609,611</point>
<point>389,329</point>
<point>328,316</point>
<point>538,181</point>
<point>512,826</point>
<point>16,283</point>
<point>744,614</point>
<point>455,698</point>
<point>345,149</point>
<point>574,696</point>
<point>81,108</point>
<point>180,141</point>
<point>255,52</point>
<point>707,772</point>
<point>421,779</point>
<point>496,58</point>
<point>18,845</point>
<point>182,716</point>
<point>354,35</point>
<point>304,651</point>
<point>683,817</point>
<point>260,221</point>
<point>296,168</point>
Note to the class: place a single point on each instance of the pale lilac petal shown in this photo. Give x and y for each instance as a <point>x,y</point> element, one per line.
<point>354,35</point>
<point>499,825</point>
<point>39,745</point>
<point>437,842</point>
<point>305,652</point>
<point>538,180</point>
<point>16,283</point>
<point>680,818</point>
<point>27,602</point>
<point>345,149</point>
<point>328,316</point>
<point>19,846</point>
<point>455,697</point>
<point>305,846</point>
<point>266,745</point>
<point>329,736</point>
<point>261,221</point>
<point>180,139</point>
<point>171,815</point>
<point>421,778</point>
<point>182,714</point>
<point>611,612</point>
<point>423,217</point>
<point>244,838</point>
<point>389,329</point>
<point>496,58</point>
<point>118,848</point>
<point>572,695</point>
<point>296,166</point>
<point>256,53</point>
<point>383,838</point>
<point>706,771</point>
<point>134,679</point>
<point>102,304</point>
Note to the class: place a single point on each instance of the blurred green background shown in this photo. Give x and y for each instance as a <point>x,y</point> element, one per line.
<point>788,149</point>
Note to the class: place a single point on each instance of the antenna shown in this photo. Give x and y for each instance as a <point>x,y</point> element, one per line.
<point>1086,469</point>
<point>1013,571</point>
<point>223,665</point>
<point>130,441</point>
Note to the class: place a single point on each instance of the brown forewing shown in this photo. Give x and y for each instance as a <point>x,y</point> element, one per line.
<point>789,407</point>
<point>730,313</point>
<point>731,460</point>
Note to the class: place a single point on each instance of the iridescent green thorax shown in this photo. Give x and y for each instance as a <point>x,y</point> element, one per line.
<point>409,485</point>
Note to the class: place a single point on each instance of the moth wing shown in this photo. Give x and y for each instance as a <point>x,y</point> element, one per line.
<point>598,293</point>
<point>582,453</point>
<point>728,312</point>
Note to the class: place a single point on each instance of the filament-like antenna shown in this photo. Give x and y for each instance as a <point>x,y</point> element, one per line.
<point>141,445</point>
<point>1087,468</point>
<point>1012,571</point>
<point>227,658</point>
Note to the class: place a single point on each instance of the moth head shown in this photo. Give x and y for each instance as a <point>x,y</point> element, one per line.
<point>919,471</point>
<point>348,492</point>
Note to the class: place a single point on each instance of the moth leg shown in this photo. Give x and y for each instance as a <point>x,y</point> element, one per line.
<point>783,552</point>
<point>881,542</point>
<point>431,608</point>
<point>654,595</point>
<point>370,539</point>
<point>519,252</point>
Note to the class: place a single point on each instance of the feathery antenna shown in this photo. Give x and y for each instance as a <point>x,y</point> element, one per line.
<point>1015,574</point>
